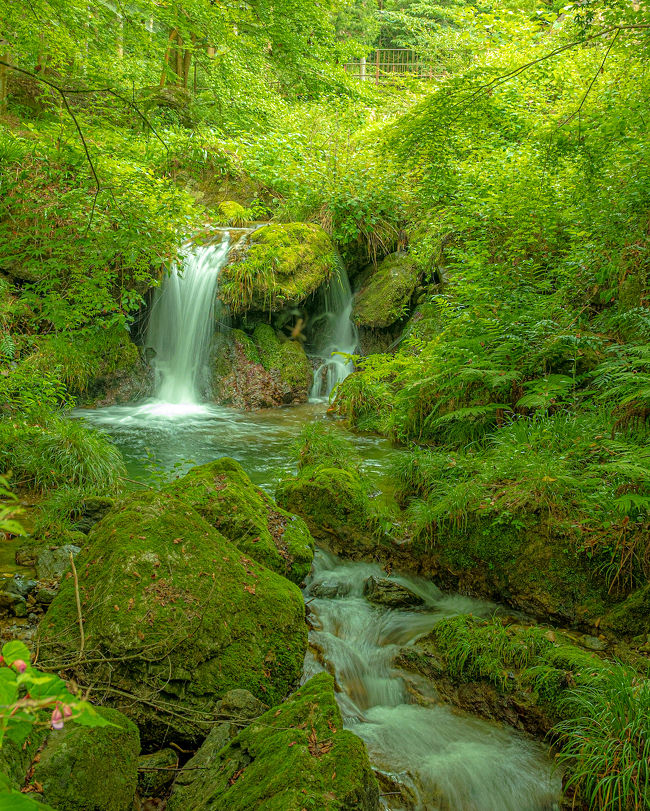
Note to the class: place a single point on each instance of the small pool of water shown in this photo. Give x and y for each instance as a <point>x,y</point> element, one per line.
<point>163,440</point>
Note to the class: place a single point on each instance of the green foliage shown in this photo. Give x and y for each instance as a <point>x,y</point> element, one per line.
<point>605,740</point>
<point>9,524</point>
<point>25,693</point>
<point>57,451</point>
<point>318,444</point>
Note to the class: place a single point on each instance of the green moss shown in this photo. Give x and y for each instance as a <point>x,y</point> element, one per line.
<point>94,769</point>
<point>88,359</point>
<point>231,213</point>
<point>224,495</point>
<point>268,344</point>
<point>529,564</point>
<point>286,360</point>
<point>296,757</point>
<point>336,507</point>
<point>630,617</point>
<point>385,299</point>
<point>175,616</point>
<point>247,345</point>
<point>284,264</point>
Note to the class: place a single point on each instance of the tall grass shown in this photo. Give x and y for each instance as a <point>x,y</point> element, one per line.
<point>59,452</point>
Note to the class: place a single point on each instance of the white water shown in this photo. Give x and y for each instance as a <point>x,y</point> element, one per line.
<point>337,334</point>
<point>441,759</point>
<point>180,330</point>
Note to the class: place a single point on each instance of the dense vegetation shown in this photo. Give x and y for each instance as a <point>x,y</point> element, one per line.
<point>515,368</point>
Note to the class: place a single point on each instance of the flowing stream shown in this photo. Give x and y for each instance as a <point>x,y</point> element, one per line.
<point>439,759</point>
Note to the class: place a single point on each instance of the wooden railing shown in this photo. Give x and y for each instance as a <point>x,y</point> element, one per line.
<point>385,64</point>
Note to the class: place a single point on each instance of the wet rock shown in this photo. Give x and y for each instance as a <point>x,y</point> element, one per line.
<point>13,603</point>
<point>19,608</point>
<point>382,591</point>
<point>592,643</point>
<point>156,772</point>
<point>19,585</point>
<point>329,591</point>
<point>52,564</point>
<point>295,756</point>
<point>240,704</point>
<point>224,495</point>
<point>190,617</point>
<point>94,769</point>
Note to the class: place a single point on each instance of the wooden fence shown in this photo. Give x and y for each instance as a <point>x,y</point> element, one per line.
<point>385,64</point>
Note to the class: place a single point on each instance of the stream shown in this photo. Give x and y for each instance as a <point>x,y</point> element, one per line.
<point>439,758</point>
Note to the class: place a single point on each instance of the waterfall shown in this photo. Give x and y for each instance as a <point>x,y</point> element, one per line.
<point>182,322</point>
<point>335,333</point>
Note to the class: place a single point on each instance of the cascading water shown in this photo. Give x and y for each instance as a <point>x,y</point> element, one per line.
<point>336,334</point>
<point>182,323</point>
<point>438,758</point>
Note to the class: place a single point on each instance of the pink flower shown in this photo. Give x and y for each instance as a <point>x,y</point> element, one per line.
<point>67,711</point>
<point>20,666</point>
<point>57,719</point>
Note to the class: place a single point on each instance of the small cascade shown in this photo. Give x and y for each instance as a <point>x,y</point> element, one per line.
<point>440,758</point>
<point>182,323</point>
<point>336,334</point>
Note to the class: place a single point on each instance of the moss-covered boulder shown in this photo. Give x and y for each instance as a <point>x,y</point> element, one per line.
<point>336,508</point>
<point>224,495</point>
<point>286,361</point>
<point>281,266</point>
<point>262,371</point>
<point>296,756</point>
<point>385,299</point>
<point>91,769</point>
<point>174,617</point>
<point>240,380</point>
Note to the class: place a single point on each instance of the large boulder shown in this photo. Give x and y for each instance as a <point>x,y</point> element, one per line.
<point>385,299</point>
<point>94,769</point>
<point>294,757</point>
<point>224,495</point>
<point>174,616</point>
<point>262,371</point>
<point>336,508</point>
<point>281,266</point>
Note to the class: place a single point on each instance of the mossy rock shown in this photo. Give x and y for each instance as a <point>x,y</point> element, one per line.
<point>386,298</point>
<point>240,380</point>
<point>174,617</point>
<point>336,508</point>
<point>528,565</point>
<point>102,365</point>
<point>264,371</point>
<point>295,757</point>
<point>94,769</point>
<point>224,495</point>
<point>286,361</point>
<point>630,617</point>
<point>283,265</point>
